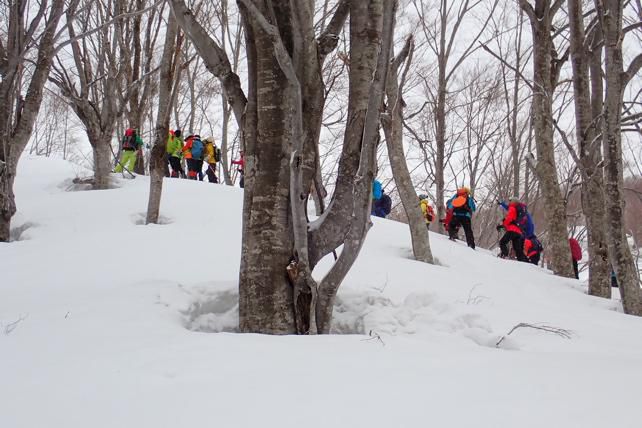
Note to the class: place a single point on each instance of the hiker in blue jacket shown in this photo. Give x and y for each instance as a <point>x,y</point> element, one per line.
<point>382,206</point>
<point>463,206</point>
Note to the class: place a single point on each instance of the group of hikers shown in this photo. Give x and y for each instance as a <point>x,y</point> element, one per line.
<point>195,151</point>
<point>517,226</point>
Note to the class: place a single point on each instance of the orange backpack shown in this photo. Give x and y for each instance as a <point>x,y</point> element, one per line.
<point>460,201</point>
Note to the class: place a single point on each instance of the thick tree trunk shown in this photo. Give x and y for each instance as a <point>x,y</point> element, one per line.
<point>589,156</point>
<point>610,14</point>
<point>102,162</point>
<point>542,104</point>
<point>265,293</point>
<point>7,200</point>
<point>285,94</point>
<point>393,128</point>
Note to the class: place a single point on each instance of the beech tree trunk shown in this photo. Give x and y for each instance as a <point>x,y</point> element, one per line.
<point>265,294</point>
<point>101,147</point>
<point>545,73</point>
<point>8,200</point>
<point>610,15</point>
<point>586,131</point>
<point>393,128</point>
<point>281,119</point>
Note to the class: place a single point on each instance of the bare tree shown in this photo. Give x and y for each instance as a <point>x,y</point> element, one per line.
<point>26,50</point>
<point>589,154</point>
<point>91,85</point>
<point>546,68</point>
<point>277,291</point>
<point>610,13</point>
<point>166,92</point>
<point>392,122</point>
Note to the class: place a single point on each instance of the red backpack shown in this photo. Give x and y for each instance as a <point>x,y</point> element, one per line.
<point>129,140</point>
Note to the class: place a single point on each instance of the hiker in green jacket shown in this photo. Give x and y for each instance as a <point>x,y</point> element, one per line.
<point>132,143</point>
<point>175,153</point>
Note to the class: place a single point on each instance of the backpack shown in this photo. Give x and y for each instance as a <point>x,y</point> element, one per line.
<point>197,148</point>
<point>129,139</point>
<point>377,190</point>
<point>217,154</point>
<point>536,244</point>
<point>460,204</point>
<point>524,220</point>
<point>386,204</point>
<point>429,212</point>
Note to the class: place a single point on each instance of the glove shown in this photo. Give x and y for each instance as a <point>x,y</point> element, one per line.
<point>500,227</point>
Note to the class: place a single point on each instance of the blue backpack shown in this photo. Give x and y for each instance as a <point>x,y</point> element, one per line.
<point>377,190</point>
<point>197,148</point>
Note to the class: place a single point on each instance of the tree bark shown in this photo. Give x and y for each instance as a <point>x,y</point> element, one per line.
<point>101,148</point>
<point>610,15</point>
<point>393,129</point>
<point>586,131</point>
<point>165,100</point>
<point>544,79</point>
<point>265,294</point>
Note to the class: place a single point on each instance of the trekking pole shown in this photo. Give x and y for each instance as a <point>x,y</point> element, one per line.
<point>119,163</point>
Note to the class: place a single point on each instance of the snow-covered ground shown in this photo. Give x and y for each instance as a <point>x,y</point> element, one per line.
<point>109,323</point>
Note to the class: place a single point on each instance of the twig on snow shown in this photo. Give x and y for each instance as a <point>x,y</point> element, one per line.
<point>374,336</point>
<point>566,334</point>
<point>12,325</point>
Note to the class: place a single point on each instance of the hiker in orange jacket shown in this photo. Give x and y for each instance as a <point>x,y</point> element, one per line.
<point>512,232</point>
<point>193,152</point>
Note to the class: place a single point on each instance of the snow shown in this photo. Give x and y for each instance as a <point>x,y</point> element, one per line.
<point>118,324</point>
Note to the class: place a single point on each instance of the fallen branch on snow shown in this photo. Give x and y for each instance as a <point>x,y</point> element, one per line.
<point>12,325</point>
<point>566,334</point>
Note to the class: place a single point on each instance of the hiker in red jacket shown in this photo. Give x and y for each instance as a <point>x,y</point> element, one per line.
<point>576,254</point>
<point>241,168</point>
<point>512,232</point>
<point>446,221</point>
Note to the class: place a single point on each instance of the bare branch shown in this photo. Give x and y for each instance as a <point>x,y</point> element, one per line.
<point>329,38</point>
<point>511,67</point>
<point>566,334</point>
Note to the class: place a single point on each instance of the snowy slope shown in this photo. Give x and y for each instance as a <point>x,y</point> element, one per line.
<point>117,323</point>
